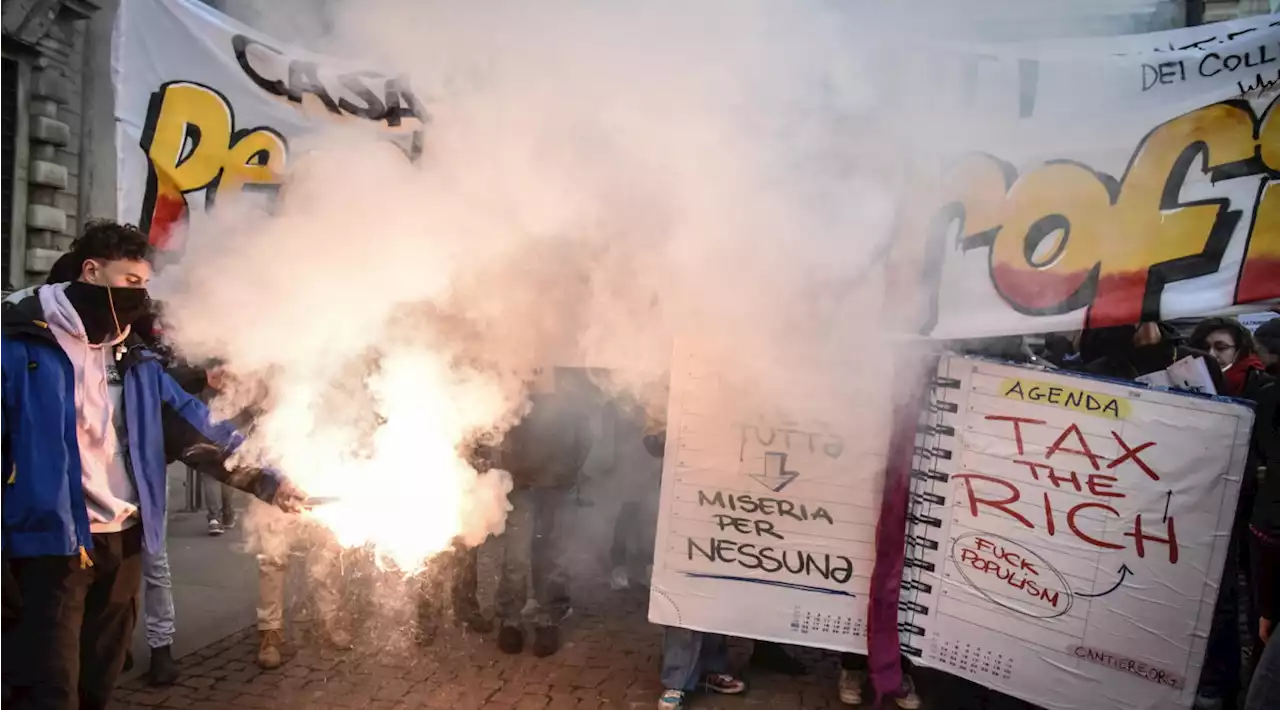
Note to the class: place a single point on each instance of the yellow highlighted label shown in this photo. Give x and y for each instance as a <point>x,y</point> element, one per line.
<point>1101,405</point>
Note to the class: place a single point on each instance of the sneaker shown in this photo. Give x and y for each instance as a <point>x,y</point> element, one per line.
<point>724,684</point>
<point>163,670</point>
<point>510,640</point>
<point>546,641</point>
<point>906,697</point>
<point>229,525</point>
<point>215,528</point>
<point>851,686</point>
<point>618,581</point>
<point>269,649</point>
<point>671,700</point>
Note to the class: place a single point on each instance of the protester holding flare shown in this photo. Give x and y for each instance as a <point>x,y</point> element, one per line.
<point>158,610</point>
<point>88,415</point>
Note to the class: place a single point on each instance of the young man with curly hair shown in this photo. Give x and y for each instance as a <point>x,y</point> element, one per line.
<point>89,418</point>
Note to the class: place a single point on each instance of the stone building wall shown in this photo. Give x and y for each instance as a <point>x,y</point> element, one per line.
<point>45,46</point>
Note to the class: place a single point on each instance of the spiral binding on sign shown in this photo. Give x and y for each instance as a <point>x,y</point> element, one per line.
<point>926,507</point>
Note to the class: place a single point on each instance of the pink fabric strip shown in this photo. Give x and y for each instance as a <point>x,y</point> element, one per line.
<point>883,648</point>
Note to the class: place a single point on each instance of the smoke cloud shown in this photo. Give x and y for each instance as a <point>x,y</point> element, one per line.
<point>597,178</point>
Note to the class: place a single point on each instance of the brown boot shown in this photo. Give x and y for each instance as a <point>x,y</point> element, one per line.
<point>269,649</point>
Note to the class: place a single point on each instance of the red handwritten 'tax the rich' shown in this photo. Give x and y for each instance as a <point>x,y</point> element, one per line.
<point>1051,471</point>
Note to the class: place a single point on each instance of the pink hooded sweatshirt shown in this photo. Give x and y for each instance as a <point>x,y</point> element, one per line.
<point>109,491</point>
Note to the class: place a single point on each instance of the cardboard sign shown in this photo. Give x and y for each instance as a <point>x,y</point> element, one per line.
<point>767,524</point>
<point>1070,557</point>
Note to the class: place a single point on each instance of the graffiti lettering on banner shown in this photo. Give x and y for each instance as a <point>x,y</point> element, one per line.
<point>195,145</point>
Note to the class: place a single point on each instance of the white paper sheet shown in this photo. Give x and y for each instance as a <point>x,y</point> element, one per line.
<point>767,525</point>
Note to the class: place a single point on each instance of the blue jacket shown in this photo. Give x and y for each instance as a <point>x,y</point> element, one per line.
<point>43,504</point>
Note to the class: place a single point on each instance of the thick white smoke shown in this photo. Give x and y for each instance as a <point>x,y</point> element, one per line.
<point>597,177</point>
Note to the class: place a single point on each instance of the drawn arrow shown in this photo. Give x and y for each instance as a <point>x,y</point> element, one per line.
<point>775,476</point>
<point>1124,572</point>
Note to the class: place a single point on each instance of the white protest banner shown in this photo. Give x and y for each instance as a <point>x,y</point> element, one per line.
<point>206,106</point>
<point>1071,534</point>
<point>767,524</point>
<point>1097,182</point>
<point>1191,373</point>
<point>1109,179</point>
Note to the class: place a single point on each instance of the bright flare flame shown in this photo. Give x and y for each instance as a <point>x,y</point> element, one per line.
<point>398,474</point>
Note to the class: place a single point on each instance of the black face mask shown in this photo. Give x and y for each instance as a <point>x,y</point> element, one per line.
<point>101,308</point>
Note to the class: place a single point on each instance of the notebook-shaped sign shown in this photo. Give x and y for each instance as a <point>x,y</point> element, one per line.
<point>767,520</point>
<point>1069,534</point>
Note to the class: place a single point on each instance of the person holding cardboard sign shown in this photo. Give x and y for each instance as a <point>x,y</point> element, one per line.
<point>691,660</point>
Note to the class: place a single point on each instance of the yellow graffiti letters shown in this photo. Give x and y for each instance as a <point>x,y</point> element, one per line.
<point>192,144</point>
<point>1063,236</point>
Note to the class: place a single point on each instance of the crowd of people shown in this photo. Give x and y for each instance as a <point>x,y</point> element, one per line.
<point>96,408</point>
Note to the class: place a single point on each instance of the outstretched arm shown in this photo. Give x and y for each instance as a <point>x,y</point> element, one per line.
<point>194,438</point>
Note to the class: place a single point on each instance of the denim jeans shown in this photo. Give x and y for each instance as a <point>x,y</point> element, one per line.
<point>533,551</point>
<point>157,591</point>
<point>217,501</point>
<point>688,656</point>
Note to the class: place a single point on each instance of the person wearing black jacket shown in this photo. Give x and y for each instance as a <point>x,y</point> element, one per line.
<point>1258,516</point>
<point>158,612</point>
<point>544,453</point>
<point>1128,352</point>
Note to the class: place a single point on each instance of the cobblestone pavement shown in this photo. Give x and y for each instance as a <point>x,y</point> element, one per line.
<point>609,659</point>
